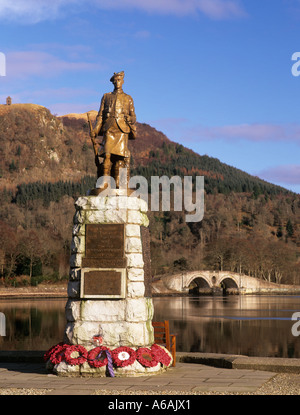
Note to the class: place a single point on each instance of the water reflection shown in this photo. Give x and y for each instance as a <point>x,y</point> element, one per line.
<point>249,325</point>
<point>32,324</point>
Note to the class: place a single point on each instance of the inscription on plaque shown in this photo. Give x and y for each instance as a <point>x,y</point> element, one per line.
<point>104,246</point>
<point>105,284</point>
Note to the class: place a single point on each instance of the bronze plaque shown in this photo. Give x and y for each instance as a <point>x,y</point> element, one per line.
<point>106,283</point>
<point>104,246</point>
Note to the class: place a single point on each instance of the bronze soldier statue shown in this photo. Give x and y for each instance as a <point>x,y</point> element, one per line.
<point>116,123</point>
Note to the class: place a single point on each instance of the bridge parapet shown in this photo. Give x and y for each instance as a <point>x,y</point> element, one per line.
<point>212,280</point>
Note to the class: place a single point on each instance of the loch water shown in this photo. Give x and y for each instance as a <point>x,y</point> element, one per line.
<point>249,325</point>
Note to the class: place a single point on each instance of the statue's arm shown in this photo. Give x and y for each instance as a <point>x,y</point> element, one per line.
<point>132,117</point>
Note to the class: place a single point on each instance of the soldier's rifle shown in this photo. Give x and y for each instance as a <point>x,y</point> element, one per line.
<point>92,135</point>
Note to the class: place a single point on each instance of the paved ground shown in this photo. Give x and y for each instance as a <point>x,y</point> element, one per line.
<point>185,378</point>
<point>24,373</point>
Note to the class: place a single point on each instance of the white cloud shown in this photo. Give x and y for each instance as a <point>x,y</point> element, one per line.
<point>285,174</point>
<point>34,11</point>
<point>59,94</point>
<point>250,132</point>
<point>71,51</point>
<point>215,9</point>
<point>142,34</point>
<point>70,108</point>
<point>35,63</point>
<point>218,9</point>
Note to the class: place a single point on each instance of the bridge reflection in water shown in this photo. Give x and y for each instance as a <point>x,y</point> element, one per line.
<point>251,325</point>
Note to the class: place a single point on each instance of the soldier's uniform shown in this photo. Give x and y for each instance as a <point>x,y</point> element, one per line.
<point>116,123</point>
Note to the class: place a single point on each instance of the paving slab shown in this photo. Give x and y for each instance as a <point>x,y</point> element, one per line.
<point>269,364</point>
<point>278,365</point>
<point>184,377</point>
<point>193,373</point>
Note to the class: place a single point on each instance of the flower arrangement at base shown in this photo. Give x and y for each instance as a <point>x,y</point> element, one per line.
<point>50,351</point>
<point>123,356</point>
<point>102,356</point>
<point>73,361</point>
<point>146,357</point>
<point>56,353</point>
<point>97,357</point>
<point>161,354</point>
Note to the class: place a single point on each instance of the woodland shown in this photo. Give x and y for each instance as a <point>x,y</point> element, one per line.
<point>250,226</point>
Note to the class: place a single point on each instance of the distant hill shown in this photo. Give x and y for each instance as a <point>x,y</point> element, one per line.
<point>155,154</point>
<point>249,225</point>
<point>35,145</point>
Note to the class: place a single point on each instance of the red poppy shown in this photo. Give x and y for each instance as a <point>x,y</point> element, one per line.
<point>97,357</point>
<point>73,361</point>
<point>51,350</point>
<point>161,354</point>
<point>56,353</point>
<point>146,357</point>
<point>123,356</point>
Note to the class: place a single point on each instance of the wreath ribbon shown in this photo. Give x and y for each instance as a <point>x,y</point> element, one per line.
<point>110,364</point>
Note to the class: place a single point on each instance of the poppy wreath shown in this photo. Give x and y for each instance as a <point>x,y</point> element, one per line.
<point>50,351</point>
<point>73,361</point>
<point>161,355</point>
<point>146,357</point>
<point>56,353</point>
<point>95,356</point>
<point>123,356</point>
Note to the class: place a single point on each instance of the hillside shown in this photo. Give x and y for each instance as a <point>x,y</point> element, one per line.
<point>249,225</point>
<point>154,154</point>
<point>35,145</point>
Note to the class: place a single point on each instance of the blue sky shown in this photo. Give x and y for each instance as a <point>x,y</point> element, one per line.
<point>213,75</point>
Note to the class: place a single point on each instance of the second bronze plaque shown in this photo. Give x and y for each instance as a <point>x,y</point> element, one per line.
<point>104,246</point>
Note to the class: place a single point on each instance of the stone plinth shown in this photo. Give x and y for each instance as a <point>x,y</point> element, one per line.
<point>109,276</point>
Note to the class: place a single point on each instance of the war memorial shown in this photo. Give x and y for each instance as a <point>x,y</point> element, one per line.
<point>109,310</point>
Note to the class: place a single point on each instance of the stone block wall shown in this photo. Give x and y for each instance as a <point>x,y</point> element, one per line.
<point>123,321</point>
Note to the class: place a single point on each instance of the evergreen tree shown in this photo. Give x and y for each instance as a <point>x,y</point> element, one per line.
<point>289,228</point>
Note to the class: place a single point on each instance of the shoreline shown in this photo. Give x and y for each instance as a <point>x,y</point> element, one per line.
<point>42,291</point>
<point>60,290</point>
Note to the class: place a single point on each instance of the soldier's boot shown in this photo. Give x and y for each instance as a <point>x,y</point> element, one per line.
<point>106,168</point>
<point>127,166</point>
<point>106,165</point>
<point>118,165</point>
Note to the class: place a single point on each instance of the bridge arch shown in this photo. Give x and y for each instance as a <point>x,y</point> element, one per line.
<point>211,283</point>
<point>198,283</point>
<point>229,284</point>
<point>200,279</point>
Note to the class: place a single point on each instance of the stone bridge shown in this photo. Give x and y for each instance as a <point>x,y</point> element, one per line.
<point>210,282</point>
